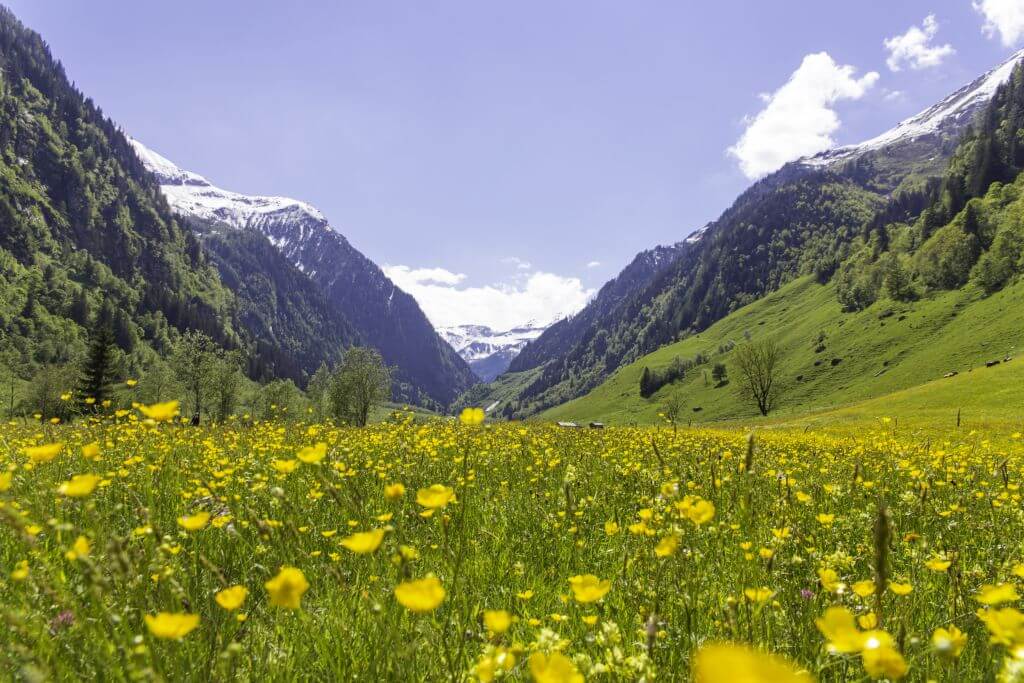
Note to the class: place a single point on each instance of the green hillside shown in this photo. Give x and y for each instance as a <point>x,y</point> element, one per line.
<point>886,347</point>
<point>987,399</point>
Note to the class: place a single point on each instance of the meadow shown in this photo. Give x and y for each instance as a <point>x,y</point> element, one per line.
<point>137,547</point>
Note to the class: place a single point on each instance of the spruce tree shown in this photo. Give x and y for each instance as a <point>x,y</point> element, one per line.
<point>98,370</point>
<point>646,383</point>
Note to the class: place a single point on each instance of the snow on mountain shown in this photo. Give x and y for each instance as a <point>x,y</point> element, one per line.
<point>947,117</point>
<point>192,195</point>
<point>385,317</point>
<point>487,351</point>
<point>696,235</point>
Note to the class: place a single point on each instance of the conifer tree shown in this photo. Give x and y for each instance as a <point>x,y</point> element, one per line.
<point>98,370</point>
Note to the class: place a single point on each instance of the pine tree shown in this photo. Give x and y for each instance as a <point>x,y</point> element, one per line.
<point>99,363</point>
<point>646,383</point>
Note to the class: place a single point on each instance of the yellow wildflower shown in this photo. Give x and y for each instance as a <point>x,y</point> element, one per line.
<point>44,453</point>
<point>364,542</point>
<point>312,455</point>
<point>80,485</point>
<point>588,588</point>
<point>161,412</point>
<point>553,668</point>
<point>231,598</point>
<point>732,663</point>
<point>286,589</point>
<point>194,522</point>
<point>171,626</point>
<point>420,595</point>
<point>435,497</point>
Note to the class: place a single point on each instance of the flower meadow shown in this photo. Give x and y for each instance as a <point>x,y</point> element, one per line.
<point>137,547</point>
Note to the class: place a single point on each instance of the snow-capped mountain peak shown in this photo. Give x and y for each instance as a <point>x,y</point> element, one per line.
<point>192,194</point>
<point>948,116</point>
<point>487,351</point>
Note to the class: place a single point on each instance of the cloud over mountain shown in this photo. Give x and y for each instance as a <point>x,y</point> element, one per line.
<point>798,119</point>
<point>539,297</point>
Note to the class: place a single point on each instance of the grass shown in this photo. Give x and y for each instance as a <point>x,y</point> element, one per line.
<point>685,547</point>
<point>886,348</point>
<point>498,392</point>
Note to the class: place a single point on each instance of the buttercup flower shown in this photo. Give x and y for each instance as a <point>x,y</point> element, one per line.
<point>231,598</point>
<point>364,542</point>
<point>420,595</point>
<point>588,588</point>
<point>171,626</point>
<point>287,588</point>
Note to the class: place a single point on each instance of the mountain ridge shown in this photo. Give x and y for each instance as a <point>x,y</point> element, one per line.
<point>489,352</point>
<point>798,220</point>
<point>382,315</point>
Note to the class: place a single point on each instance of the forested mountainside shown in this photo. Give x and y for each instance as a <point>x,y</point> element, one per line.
<point>913,300</point>
<point>806,218</point>
<point>85,224</point>
<point>292,324</point>
<point>330,283</point>
<point>561,337</point>
<point>82,222</point>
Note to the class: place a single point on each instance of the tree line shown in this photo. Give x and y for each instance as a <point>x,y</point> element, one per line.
<point>207,379</point>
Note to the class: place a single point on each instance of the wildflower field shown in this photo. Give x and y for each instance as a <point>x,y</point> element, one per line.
<point>141,548</point>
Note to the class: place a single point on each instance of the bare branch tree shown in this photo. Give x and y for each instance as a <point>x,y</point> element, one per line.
<point>673,408</point>
<point>759,368</point>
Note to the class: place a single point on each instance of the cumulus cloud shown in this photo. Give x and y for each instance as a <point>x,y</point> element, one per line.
<point>914,48</point>
<point>541,297</point>
<point>798,118</point>
<point>1002,17</point>
<point>593,264</point>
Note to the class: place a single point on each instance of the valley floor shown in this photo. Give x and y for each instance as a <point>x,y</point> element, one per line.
<point>448,551</point>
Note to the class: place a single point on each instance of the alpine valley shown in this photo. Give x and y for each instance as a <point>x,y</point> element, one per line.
<point>915,231</point>
<point>92,219</point>
<point>919,218</point>
<point>489,353</point>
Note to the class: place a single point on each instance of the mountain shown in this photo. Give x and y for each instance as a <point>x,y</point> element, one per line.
<point>940,122</point>
<point>806,218</point>
<point>357,299</point>
<point>559,338</point>
<point>916,298</point>
<point>488,352</point>
<point>83,226</point>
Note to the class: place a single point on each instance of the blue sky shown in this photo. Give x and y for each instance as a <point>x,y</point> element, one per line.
<point>505,159</point>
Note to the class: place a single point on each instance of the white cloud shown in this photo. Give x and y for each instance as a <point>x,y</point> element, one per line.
<point>914,48</point>
<point>593,264</point>
<point>1005,17</point>
<point>438,276</point>
<point>892,95</point>
<point>798,119</point>
<point>542,297</point>
<point>517,262</point>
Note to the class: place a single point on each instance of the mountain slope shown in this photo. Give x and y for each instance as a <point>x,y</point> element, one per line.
<point>487,351</point>
<point>912,302</point>
<point>563,335</point>
<point>355,289</point>
<point>884,348</point>
<point>292,326</point>
<point>802,219</point>
<point>83,223</point>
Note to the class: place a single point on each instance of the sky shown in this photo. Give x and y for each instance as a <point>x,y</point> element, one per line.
<point>502,160</point>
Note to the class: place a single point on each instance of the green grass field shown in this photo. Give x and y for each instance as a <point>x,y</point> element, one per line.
<point>134,550</point>
<point>886,348</point>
